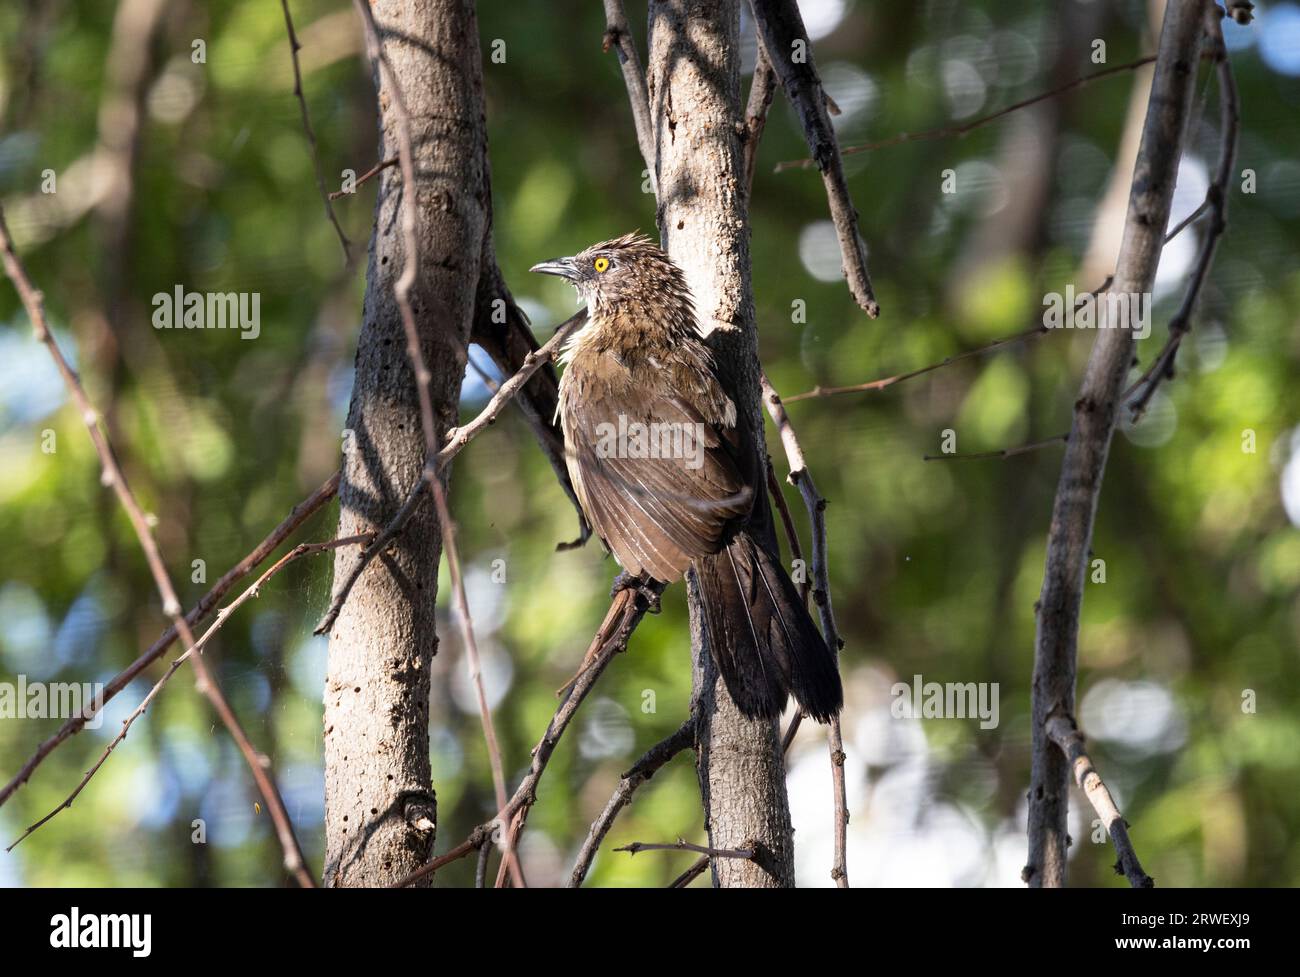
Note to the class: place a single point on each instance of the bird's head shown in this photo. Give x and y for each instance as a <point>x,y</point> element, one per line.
<point>630,271</point>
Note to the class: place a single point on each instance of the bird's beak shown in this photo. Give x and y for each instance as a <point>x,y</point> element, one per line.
<point>565,268</point>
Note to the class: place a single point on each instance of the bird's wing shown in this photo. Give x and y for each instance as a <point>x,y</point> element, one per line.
<point>655,513</point>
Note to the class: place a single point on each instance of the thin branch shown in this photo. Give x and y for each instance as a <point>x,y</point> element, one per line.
<point>1019,449</point>
<point>461,603</point>
<point>1074,508</point>
<point>618,35</point>
<point>478,838</point>
<point>762,87</point>
<point>387,79</point>
<point>835,744</point>
<point>792,731</point>
<point>480,870</point>
<point>364,178</point>
<point>1188,220</point>
<point>625,613</point>
<point>697,869</point>
<point>782,33</point>
<point>508,840</point>
<point>113,476</point>
<point>223,615</point>
<point>502,329</point>
<point>456,439</point>
<point>946,132</point>
<point>389,533</point>
<point>802,479</point>
<point>1216,201</point>
<point>874,385</point>
<point>1065,734</point>
<point>791,534</point>
<point>297,516</point>
<point>680,845</point>
<point>641,771</point>
<point>294,48</point>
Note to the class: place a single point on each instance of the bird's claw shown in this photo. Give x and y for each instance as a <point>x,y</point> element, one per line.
<point>643,588</point>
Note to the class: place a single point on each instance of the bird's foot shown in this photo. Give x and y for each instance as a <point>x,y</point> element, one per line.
<point>643,587</point>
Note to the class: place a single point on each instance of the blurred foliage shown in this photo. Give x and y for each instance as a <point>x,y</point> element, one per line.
<point>935,566</point>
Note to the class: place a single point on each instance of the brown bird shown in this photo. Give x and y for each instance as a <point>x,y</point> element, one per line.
<point>669,480</point>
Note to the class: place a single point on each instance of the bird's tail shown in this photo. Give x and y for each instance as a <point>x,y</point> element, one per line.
<point>761,636</point>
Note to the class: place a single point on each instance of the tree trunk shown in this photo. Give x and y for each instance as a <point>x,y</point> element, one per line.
<point>693,80</point>
<point>379,802</point>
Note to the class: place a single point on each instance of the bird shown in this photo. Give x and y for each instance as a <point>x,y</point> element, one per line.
<point>670,480</point>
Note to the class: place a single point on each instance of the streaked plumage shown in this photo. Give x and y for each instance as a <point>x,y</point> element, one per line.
<point>641,360</point>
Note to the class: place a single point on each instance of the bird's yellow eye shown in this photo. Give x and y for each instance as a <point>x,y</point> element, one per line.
<point>600,264</point>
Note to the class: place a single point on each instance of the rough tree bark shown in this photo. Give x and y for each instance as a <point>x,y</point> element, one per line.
<point>1075,508</point>
<point>693,80</point>
<point>379,802</point>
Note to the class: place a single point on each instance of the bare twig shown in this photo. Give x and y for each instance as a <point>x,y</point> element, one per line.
<point>874,385</point>
<point>480,870</point>
<point>791,534</point>
<point>802,479</point>
<point>641,771</point>
<point>113,476</point>
<point>461,603</point>
<point>680,845</point>
<point>477,840</point>
<point>502,329</point>
<point>619,37</point>
<point>691,874</point>
<point>368,175</point>
<point>197,613</point>
<point>410,244</point>
<point>1216,201</point>
<point>881,384</point>
<point>326,196</point>
<point>946,132</point>
<point>508,839</point>
<point>1019,449</point>
<point>762,87</point>
<point>1188,220</point>
<point>1083,467</point>
<point>792,731</point>
<point>456,439</point>
<point>782,33</point>
<point>223,615</point>
<point>1065,734</point>
<point>625,613</point>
